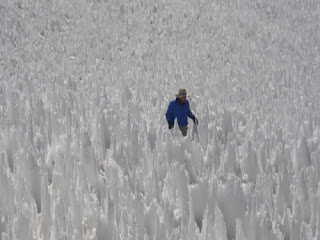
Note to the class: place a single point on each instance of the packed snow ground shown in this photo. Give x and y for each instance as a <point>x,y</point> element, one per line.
<point>85,148</point>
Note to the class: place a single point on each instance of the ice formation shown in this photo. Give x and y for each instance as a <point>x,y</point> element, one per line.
<point>85,148</point>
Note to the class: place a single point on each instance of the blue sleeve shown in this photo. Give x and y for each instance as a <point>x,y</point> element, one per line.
<point>190,114</point>
<point>169,114</point>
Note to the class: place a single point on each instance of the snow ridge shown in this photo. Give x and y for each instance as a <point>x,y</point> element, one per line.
<point>85,149</point>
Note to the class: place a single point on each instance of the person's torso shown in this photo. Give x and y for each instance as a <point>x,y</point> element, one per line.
<point>181,111</point>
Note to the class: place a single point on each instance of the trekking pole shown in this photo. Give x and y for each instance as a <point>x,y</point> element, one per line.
<point>195,131</point>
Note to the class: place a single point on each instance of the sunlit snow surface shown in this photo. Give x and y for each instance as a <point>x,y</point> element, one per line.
<point>85,148</point>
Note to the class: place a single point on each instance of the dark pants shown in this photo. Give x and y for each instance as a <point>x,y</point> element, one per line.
<point>184,130</point>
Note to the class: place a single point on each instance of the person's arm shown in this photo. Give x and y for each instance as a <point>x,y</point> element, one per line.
<point>192,116</point>
<point>170,116</point>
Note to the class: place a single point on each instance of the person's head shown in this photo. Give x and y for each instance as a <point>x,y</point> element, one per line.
<point>182,95</point>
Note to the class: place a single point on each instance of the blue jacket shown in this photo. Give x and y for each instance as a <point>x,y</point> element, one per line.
<point>181,112</point>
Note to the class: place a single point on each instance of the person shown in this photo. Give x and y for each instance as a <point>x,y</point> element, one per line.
<point>180,109</point>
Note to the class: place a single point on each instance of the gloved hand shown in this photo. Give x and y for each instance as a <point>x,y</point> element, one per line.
<point>170,125</point>
<point>195,120</point>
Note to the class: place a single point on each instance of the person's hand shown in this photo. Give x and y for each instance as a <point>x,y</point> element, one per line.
<point>170,125</point>
<point>195,120</point>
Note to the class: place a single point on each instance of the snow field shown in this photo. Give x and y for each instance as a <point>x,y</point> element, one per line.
<point>85,149</point>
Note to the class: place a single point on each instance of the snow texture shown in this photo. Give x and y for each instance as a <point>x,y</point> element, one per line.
<point>85,150</point>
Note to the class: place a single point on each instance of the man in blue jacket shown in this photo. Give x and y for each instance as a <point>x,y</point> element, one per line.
<point>180,109</point>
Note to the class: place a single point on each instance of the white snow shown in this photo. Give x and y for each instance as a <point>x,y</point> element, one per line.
<point>85,149</point>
